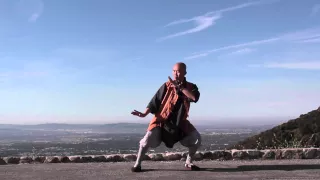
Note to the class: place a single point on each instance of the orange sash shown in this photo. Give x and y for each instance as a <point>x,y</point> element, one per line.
<point>166,107</point>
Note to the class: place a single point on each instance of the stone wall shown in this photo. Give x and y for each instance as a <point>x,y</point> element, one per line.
<point>219,155</point>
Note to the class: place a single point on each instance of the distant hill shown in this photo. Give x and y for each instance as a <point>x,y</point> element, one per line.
<point>47,126</point>
<point>129,128</point>
<point>303,131</point>
<point>105,128</point>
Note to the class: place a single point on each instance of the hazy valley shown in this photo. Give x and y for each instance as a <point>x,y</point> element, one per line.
<point>76,139</point>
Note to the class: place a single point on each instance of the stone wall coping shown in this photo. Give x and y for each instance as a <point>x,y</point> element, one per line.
<point>217,155</point>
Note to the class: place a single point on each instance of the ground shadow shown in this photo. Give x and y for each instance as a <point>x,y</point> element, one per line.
<point>250,168</point>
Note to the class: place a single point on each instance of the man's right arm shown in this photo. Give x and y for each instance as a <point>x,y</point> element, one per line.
<point>155,103</point>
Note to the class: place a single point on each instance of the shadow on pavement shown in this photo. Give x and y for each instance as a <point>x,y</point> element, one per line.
<point>249,168</point>
<point>264,168</point>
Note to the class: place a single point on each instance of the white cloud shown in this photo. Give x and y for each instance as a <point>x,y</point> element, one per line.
<point>258,42</point>
<point>214,13</point>
<point>34,17</point>
<point>243,51</point>
<point>136,59</point>
<point>309,65</point>
<point>307,35</point>
<point>238,52</point>
<point>204,21</point>
<point>197,56</point>
<point>315,39</point>
<point>32,9</point>
<point>315,9</point>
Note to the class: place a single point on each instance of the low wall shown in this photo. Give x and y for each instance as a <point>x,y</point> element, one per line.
<point>220,155</point>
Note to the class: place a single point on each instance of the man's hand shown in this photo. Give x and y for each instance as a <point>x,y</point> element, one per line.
<point>185,91</point>
<point>174,83</point>
<point>137,113</point>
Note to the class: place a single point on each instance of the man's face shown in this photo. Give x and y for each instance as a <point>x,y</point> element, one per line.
<point>178,72</point>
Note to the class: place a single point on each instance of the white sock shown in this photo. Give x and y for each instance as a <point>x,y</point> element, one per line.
<point>189,159</point>
<point>192,152</point>
<point>141,153</point>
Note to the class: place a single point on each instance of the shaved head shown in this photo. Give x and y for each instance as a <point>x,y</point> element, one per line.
<point>179,71</point>
<point>182,65</point>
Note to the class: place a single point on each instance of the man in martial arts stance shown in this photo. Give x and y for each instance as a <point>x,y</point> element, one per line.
<point>170,106</point>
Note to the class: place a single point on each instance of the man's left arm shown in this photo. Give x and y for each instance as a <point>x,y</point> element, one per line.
<point>193,95</point>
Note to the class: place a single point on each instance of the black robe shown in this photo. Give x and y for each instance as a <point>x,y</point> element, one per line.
<point>179,108</point>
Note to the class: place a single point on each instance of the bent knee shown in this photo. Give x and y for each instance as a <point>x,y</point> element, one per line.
<point>192,140</point>
<point>151,139</point>
<point>149,143</point>
<point>198,140</point>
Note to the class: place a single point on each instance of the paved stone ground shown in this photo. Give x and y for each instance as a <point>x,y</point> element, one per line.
<point>256,169</point>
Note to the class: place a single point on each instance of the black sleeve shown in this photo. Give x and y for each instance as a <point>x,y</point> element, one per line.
<point>196,92</point>
<point>155,102</point>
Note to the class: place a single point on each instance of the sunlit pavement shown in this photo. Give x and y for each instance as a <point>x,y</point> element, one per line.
<point>256,169</point>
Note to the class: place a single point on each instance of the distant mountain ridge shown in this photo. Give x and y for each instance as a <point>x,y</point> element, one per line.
<point>126,127</point>
<point>66,125</point>
<point>303,131</point>
<point>107,128</point>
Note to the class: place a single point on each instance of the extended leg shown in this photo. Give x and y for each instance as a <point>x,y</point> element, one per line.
<point>142,151</point>
<point>193,142</point>
<point>152,139</point>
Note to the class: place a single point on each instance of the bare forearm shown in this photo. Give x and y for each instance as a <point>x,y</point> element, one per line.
<point>188,93</point>
<point>147,111</point>
<point>140,114</point>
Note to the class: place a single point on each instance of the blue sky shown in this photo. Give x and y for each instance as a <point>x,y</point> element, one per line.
<point>81,61</point>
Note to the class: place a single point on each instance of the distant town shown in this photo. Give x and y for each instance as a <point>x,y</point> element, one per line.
<point>84,139</point>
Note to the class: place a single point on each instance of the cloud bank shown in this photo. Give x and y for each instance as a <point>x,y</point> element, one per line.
<point>32,9</point>
<point>204,21</point>
<point>307,65</point>
<point>305,36</point>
